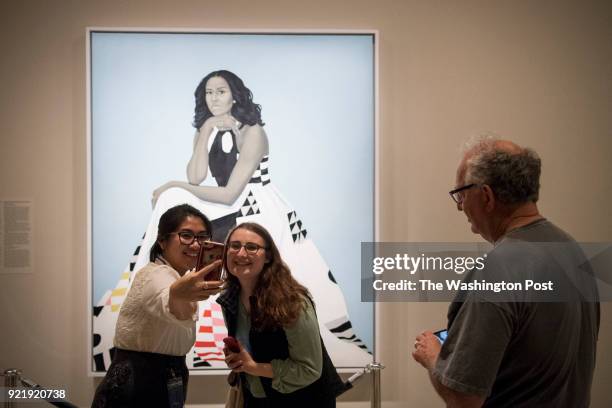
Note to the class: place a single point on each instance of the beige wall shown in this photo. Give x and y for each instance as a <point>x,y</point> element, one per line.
<point>538,72</point>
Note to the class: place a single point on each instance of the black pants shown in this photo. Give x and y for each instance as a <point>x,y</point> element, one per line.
<point>251,402</point>
<point>138,379</point>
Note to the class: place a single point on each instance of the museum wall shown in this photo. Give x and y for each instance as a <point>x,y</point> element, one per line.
<point>537,72</point>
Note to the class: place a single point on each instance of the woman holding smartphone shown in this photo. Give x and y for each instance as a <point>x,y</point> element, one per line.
<point>282,361</point>
<point>156,324</point>
<point>231,145</point>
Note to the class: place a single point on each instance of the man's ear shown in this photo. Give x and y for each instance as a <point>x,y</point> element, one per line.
<point>489,197</point>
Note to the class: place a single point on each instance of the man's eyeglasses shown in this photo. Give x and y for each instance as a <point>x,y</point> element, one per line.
<point>251,248</point>
<point>187,237</point>
<point>456,193</point>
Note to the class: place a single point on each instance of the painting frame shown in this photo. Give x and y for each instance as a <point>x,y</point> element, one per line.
<point>93,159</point>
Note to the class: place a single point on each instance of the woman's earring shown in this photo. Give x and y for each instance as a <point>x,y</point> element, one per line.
<point>234,101</point>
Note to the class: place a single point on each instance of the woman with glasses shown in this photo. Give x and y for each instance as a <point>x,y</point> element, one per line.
<point>156,324</point>
<point>282,361</point>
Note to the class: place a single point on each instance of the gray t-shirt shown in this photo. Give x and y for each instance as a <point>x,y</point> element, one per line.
<point>522,354</point>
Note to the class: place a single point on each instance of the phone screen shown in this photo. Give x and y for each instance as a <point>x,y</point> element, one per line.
<point>441,335</point>
<point>210,252</point>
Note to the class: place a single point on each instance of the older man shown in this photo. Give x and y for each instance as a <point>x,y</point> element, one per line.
<point>512,353</point>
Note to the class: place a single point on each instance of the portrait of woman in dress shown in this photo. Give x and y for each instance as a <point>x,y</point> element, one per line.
<point>231,153</point>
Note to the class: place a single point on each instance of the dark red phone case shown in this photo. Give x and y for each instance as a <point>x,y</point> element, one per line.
<point>209,253</point>
<point>232,344</point>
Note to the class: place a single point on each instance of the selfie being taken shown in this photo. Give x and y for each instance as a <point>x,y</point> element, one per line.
<point>352,204</point>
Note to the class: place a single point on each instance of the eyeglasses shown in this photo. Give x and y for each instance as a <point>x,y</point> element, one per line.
<point>251,248</point>
<point>455,194</point>
<point>187,237</point>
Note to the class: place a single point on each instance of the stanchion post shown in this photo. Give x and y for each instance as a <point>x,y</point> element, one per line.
<point>11,379</point>
<point>374,370</point>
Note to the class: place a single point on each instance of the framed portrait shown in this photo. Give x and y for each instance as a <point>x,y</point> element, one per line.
<point>314,189</point>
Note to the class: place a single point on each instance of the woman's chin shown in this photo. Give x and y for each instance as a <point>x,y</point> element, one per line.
<point>187,266</point>
<point>244,273</point>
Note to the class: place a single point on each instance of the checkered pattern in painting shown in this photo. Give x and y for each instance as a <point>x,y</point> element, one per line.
<point>210,333</point>
<point>261,174</point>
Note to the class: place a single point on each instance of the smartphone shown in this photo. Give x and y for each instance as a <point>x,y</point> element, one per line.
<point>232,344</point>
<point>209,252</point>
<point>441,335</point>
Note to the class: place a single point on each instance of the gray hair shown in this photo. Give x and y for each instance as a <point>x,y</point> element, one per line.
<point>514,176</point>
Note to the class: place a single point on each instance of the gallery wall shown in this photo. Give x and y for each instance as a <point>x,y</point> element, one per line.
<point>537,72</point>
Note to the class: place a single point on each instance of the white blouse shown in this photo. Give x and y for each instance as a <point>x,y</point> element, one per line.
<point>145,322</point>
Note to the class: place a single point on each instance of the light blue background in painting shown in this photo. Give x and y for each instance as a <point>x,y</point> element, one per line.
<point>317,98</point>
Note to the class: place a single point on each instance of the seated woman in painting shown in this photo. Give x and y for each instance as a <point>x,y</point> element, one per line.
<point>231,145</point>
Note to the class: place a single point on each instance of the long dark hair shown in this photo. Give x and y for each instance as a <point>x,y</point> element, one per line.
<point>170,221</point>
<point>245,110</point>
<point>279,297</point>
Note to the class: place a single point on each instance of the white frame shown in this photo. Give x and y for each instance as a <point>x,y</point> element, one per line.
<point>376,204</point>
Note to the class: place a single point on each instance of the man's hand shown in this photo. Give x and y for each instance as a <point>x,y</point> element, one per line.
<point>426,349</point>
